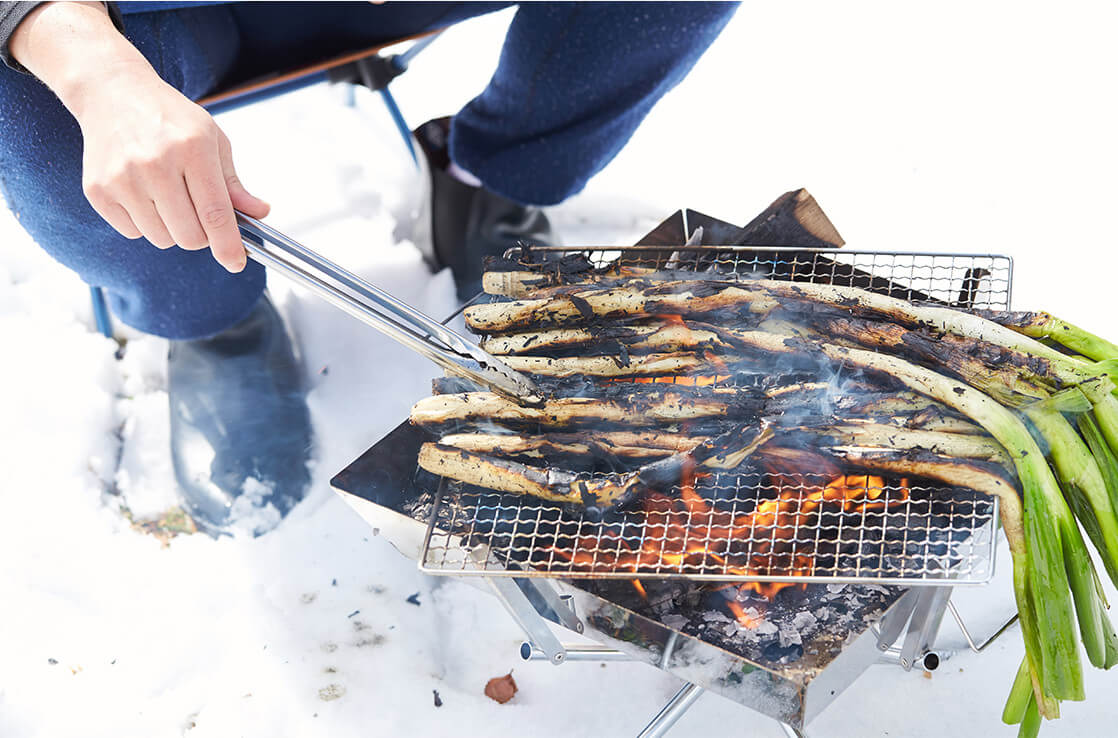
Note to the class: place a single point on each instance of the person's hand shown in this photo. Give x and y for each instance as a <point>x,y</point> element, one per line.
<point>155,164</point>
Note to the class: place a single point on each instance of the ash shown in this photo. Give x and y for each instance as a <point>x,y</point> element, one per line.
<point>799,625</point>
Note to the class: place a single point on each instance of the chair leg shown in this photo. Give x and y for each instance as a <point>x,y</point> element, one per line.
<point>101,312</point>
<point>401,62</point>
<point>398,119</point>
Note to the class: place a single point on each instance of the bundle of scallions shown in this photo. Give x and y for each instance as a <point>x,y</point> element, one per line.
<point>1043,389</point>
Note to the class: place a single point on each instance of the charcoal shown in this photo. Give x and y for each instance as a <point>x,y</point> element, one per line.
<point>783,654</point>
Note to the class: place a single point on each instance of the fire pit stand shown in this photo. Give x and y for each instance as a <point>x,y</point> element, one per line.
<point>806,645</point>
<point>677,628</point>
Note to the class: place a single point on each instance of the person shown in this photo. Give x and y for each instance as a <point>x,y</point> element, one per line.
<point>104,155</point>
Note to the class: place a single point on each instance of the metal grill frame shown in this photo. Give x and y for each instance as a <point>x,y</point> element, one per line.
<point>968,280</point>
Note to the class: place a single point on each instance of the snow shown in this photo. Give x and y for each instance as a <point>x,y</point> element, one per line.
<point>959,126</point>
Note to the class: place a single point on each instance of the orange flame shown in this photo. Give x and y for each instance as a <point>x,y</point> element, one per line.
<point>685,380</point>
<point>689,534</point>
<point>744,618</point>
<point>716,362</point>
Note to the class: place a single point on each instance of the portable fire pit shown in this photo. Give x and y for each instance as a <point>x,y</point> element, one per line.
<point>839,567</point>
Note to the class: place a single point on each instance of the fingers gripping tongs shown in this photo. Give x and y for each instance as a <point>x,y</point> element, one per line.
<point>377,308</point>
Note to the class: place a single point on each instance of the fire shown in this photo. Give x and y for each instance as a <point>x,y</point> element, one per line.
<point>716,362</point>
<point>744,618</point>
<point>670,319</point>
<point>769,590</point>
<point>687,533</point>
<point>685,380</point>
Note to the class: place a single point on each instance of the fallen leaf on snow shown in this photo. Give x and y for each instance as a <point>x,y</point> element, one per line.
<point>501,689</point>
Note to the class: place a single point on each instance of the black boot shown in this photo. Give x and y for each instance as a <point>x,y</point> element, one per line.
<point>470,223</point>
<point>240,429</point>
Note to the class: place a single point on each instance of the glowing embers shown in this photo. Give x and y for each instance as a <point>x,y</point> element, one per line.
<point>783,536</point>
<point>683,380</point>
<point>744,618</point>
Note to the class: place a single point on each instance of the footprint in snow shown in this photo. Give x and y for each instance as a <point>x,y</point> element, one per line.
<point>331,692</point>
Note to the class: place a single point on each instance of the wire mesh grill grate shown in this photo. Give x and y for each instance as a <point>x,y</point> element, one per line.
<point>980,281</point>
<point>885,533</point>
<point>903,536</point>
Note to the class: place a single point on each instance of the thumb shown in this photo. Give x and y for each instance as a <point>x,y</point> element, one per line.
<point>242,199</point>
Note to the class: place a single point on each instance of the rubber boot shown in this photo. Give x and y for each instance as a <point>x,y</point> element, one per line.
<point>240,429</point>
<point>469,223</point>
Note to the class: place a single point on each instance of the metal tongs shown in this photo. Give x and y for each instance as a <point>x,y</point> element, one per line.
<point>377,308</point>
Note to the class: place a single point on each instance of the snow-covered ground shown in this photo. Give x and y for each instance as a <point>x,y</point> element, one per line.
<point>951,126</point>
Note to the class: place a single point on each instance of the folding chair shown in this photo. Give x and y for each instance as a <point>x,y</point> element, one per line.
<point>368,68</point>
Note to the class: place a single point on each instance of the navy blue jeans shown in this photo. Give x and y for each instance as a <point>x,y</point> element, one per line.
<point>573,83</point>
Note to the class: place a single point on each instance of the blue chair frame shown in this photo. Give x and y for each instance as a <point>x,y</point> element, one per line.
<point>367,68</point>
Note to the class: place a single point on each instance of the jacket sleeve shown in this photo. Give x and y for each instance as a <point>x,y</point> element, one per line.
<point>13,13</point>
